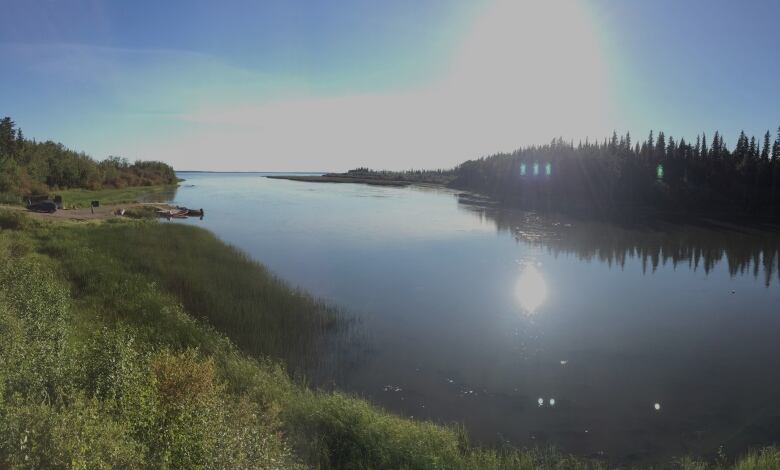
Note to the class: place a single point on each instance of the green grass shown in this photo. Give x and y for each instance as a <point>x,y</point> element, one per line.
<point>10,198</point>
<point>77,198</point>
<point>212,281</point>
<point>121,346</point>
<point>142,212</point>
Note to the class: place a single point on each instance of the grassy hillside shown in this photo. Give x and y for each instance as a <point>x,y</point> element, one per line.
<point>137,344</point>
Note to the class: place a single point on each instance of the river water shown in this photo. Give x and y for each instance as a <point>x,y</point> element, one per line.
<point>633,341</point>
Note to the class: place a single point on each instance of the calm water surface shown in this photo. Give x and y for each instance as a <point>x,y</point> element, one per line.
<point>631,342</point>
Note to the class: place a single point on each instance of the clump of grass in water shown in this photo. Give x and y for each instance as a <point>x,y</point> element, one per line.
<point>767,458</point>
<point>142,212</point>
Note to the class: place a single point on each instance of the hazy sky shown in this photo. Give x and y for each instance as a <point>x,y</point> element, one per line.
<point>331,85</point>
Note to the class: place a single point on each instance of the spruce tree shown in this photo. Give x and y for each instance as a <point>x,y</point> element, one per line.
<point>715,148</point>
<point>752,150</point>
<point>776,147</point>
<point>703,145</point>
<point>660,145</point>
<point>671,148</point>
<point>765,150</point>
<point>741,150</point>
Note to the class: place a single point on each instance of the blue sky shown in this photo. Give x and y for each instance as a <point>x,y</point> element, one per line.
<point>305,85</point>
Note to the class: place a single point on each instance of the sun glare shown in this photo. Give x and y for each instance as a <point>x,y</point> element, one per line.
<point>530,289</point>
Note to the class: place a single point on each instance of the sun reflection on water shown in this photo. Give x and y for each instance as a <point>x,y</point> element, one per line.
<point>530,289</point>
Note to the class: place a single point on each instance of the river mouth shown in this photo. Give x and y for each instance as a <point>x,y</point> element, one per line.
<point>630,342</point>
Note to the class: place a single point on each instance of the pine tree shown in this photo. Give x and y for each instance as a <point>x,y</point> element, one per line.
<point>613,142</point>
<point>752,150</point>
<point>671,148</point>
<point>715,148</point>
<point>741,150</point>
<point>776,147</point>
<point>703,145</point>
<point>697,148</point>
<point>765,150</point>
<point>660,145</point>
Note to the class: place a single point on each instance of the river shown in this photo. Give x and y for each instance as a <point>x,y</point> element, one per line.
<point>633,341</point>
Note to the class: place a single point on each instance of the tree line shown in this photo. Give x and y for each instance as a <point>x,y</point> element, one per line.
<point>660,172</point>
<point>30,167</point>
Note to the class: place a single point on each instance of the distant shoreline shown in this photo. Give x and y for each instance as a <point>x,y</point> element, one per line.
<point>342,179</point>
<point>255,172</point>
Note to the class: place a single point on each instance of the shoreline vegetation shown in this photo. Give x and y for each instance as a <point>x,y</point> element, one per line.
<point>29,168</point>
<point>131,343</point>
<point>376,177</point>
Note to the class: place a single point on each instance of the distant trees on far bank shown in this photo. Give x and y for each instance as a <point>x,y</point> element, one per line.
<point>438,176</point>
<point>660,172</point>
<point>27,166</point>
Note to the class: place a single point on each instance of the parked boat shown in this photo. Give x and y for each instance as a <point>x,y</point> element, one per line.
<point>195,212</point>
<point>172,213</point>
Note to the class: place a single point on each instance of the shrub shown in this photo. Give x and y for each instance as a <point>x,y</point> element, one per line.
<point>81,436</point>
<point>12,220</point>
<point>36,326</point>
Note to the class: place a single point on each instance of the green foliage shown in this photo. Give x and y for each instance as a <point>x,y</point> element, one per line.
<point>765,459</point>
<point>211,280</point>
<point>28,167</point>
<point>142,212</point>
<point>76,198</point>
<point>337,431</point>
<point>82,436</point>
<point>8,198</point>
<point>78,395</point>
<point>35,319</point>
<point>12,219</point>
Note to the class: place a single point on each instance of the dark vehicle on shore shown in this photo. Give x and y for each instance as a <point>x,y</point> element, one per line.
<point>42,206</point>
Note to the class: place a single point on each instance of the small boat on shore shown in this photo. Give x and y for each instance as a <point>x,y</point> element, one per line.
<point>180,213</point>
<point>194,212</point>
<point>172,213</point>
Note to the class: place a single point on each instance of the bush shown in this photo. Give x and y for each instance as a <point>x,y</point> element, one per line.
<point>35,324</point>
<point>12,220</point>
<point>38,435</point>
<point>9,197</point>
<point>142,212</point>
<point>337,431</point>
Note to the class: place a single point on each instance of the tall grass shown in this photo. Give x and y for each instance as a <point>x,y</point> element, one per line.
<point>213,282</point>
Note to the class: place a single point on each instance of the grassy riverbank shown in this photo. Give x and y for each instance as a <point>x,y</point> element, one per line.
<point>77,198</point>
<point>81,198</point>
<point>137,344</point>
